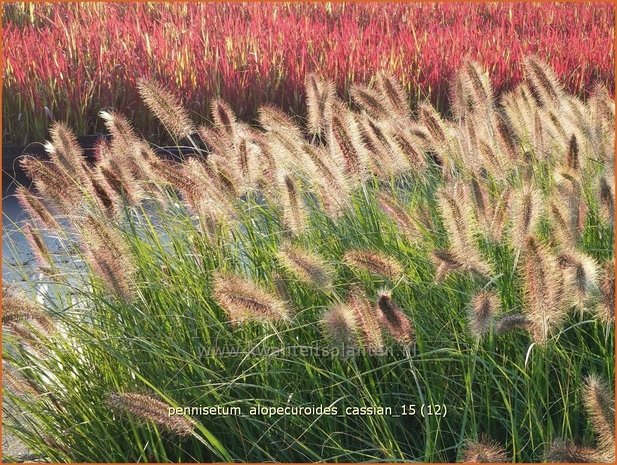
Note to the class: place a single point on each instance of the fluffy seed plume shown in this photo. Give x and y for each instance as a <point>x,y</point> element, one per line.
<point>339,323</point>
<point>373,103</point>
<point>66,153</point>
<point>511,322</point>
<point>606,194</point>
<point>600,405</point>
<point>167,108</point>
<point>447,261</point>
<point>319,99</point>
<point>393,320</point>
<point>394,94</point>
<point>605,308</point>
<point>224,119</point>
<point>399,215</point>
<point>572,156</point>
<point>543,81</point>
<point>373,262</point>
<point>526,212</point>
<point>17,309</point>
<point>346,144</point>
<point>484,450</point>
<point>306,266</point>
<point>245,301</point>
<point>39,248</point>
<point>54,184</point>
<point>109,256</point>
<point>273,119</point>
<point>580,275</point>
<point>367,320</point>
<point>543,289</point>
<point>290,197</point>
<point>17,383</point>
<point>36,209</point>
<point>567,452</point>
<point>484,306</point>
<point>148,409</point>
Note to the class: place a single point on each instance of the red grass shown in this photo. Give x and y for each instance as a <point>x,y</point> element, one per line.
<point>78,58</point>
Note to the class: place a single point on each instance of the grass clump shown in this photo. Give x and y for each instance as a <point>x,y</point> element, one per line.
<point>414,243</point>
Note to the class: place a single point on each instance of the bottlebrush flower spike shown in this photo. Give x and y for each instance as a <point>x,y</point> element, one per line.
<point>36,209</point>
<point>290,197</point>
<point>340,324</point>
<point>484,450</point>
<point>393,320</point>
<point>543,81</point>
<point>527,208</point>
<point>39,249</point>
<point>567,452</point>
<point>17,383</point>
<point>580,276</point>
<point>166,107</point>
<point>320,95</point>
<point>245,301</point>
<point>273,119</point>
<point>605,308</point>
<point>484,306</point>
<point>394,94</point>
<point>148,409</point>
<point>399,215</point>
<point>367,320</point>
<point>17,309</point>
<point>66,152</point>
<point>307,267</point>
<point>606,194</point>
<point>109,256</point>
<point>543,289</point>
<point>373,262</point>
<point>225,120</point>
<point>345,142</point>
<point>55,185</point>
<point>600,405</point>
<point>373,103</point>
<point>511,322</point>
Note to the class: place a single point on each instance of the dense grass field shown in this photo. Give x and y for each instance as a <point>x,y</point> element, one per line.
<point>69,61</point>
<point>457,270</point>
